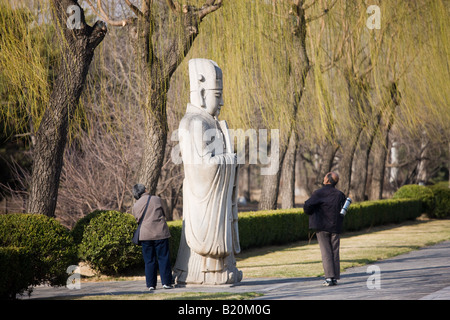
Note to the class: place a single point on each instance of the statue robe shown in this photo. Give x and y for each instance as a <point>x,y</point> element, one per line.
<point>210,232</point>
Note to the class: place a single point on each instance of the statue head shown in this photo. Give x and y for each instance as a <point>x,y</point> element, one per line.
<point>206,84</point>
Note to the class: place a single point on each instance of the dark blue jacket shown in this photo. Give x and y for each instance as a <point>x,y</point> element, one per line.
<point>324,208</point>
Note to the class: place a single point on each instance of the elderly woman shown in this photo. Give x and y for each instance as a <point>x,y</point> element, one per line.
<point>154,237</point>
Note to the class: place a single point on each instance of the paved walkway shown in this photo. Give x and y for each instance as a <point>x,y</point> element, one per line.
<point>422,274</point>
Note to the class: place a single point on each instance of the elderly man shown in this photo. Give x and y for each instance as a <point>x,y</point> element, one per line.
<point>324,208</point>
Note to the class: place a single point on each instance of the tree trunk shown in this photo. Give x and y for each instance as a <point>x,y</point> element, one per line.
<point>359,111</point>
<point>271,183</point>
<point>379,166</point>
<point>366,148</point>
<point>298,74</point>
<point>328,154</point>
<point>77,49</point>
<point>346,163</point>
<point>288,173</point>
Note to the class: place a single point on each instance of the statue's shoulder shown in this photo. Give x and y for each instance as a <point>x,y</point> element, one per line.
<point>188,120</point>
<point>192,118</point>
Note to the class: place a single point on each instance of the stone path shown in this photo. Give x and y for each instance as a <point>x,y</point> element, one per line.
<point>422,274</point>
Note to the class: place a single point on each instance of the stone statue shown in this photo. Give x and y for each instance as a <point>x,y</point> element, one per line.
<point>210,236</point>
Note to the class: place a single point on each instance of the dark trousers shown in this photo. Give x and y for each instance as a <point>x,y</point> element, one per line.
<point>329,248</point>
<point>156,254</point>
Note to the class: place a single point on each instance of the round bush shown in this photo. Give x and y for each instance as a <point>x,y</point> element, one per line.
<point>441,193</point>
<point>424,194</point>
<point>16,275</point>
<point>106,244</point>
<point>47,243</point>
<point>78,229</point>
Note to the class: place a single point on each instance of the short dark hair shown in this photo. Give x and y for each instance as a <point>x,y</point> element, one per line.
<point>138,190</point>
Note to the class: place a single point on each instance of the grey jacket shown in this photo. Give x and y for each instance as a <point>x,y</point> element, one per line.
<point>154,226</point>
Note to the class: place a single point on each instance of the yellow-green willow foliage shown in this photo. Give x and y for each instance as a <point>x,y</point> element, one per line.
<point>29,58</point>
<point>425,85</point>
<point>410,49</point>
<point>25,59</point>
<point>248,41</point>
<point>252,42</point>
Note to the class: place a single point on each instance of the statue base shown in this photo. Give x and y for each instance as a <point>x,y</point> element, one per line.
<point>192,268</point>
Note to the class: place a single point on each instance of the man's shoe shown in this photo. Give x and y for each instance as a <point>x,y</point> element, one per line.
<point>328,282</point>
<point>151,288</point>
<point>334,281</point>
<point>167,287</point>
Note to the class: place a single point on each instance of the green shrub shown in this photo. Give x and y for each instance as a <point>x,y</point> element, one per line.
<point>441,193</point>
<point>106,244</point>
<point>16,275</point>
<point>412,191</point>
<point>44,241</point>
<point>78,229</point>
<point>175,228</point>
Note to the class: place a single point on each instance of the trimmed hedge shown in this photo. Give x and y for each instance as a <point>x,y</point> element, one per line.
<point>373,213</point>
<point>262,228</point>
<point>39,248</point>
<point>175,228</point>
<point>422,193</point>
<point>273,227</point>
<point>435,198</point>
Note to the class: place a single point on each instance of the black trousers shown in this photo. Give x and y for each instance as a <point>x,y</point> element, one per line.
<point>156,254</point>
<point>329,248</point>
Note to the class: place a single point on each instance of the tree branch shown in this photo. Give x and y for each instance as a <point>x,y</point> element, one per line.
<point>135,9</point>
<point>208,7</point>
<point>325,11</point>
<point>99,11</point>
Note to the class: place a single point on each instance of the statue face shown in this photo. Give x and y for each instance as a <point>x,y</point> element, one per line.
<point>213,101</point>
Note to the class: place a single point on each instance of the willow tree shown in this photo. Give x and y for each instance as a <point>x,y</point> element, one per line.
<point>76,42</point>
<point>378,78</point>
<point>301,14</point>
<point>424,111</point>
<point>163,32</point>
